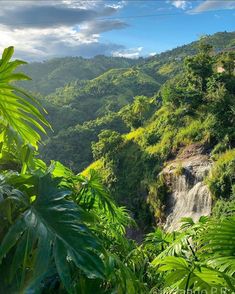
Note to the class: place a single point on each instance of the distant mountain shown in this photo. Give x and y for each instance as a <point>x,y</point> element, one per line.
<point>219,41</point>
<point>49,75</point>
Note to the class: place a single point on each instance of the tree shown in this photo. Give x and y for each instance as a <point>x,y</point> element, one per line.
<point>228,62</point>
<point>141,106</point>
<point>199,67</point>
<point>188,89</point>
<point>171,94</point>
<point>108,144</point>
<point>136,113</point>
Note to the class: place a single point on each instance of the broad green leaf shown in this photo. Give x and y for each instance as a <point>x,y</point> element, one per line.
<point>54,221</point>
<point>60,255</point>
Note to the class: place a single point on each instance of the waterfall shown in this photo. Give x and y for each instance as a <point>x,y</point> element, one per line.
<point>189,197</point>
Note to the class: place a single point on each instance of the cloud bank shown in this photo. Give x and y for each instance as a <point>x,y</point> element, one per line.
<point>128,53</point>
<point>53,28</point>
<point>44,29</point>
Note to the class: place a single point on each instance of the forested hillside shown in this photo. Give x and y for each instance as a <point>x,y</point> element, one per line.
<point>49,75</point>
<point>89,103</point>
<point>162,137</point>
<point>195,108</point>
<point>91,107</point>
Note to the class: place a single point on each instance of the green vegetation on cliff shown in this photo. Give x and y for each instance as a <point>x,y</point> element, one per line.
<point>196,106</point>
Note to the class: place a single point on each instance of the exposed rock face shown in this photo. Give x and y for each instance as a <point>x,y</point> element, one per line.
<point>189,196</point>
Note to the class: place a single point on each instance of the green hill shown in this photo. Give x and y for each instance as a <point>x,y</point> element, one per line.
<point>78,113</point>
<point>49,75</point>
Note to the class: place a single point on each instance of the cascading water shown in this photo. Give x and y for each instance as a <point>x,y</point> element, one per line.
<point>189,197</point>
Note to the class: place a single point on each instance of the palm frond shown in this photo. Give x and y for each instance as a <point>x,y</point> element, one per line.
<point>218,245</point>
<point>17,108</point>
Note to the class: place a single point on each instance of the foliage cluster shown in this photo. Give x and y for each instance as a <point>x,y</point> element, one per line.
<point>76,151</point>
<point>85,110</point>
<point>222,178</point>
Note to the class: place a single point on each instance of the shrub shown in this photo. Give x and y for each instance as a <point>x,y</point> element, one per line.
<point>221,181</point>
<point>157,195</point>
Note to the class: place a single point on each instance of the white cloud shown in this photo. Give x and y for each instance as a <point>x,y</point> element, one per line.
<point>78,3</point>
<point>182,4</point>
<point>38,44</point>
<point>210,5</point>
<point>152,54</point>
<point>117,5</point>
<point>128,53</point>
<point>44,29</point>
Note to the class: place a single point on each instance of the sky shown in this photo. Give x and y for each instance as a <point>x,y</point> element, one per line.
<point>40,30</point>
